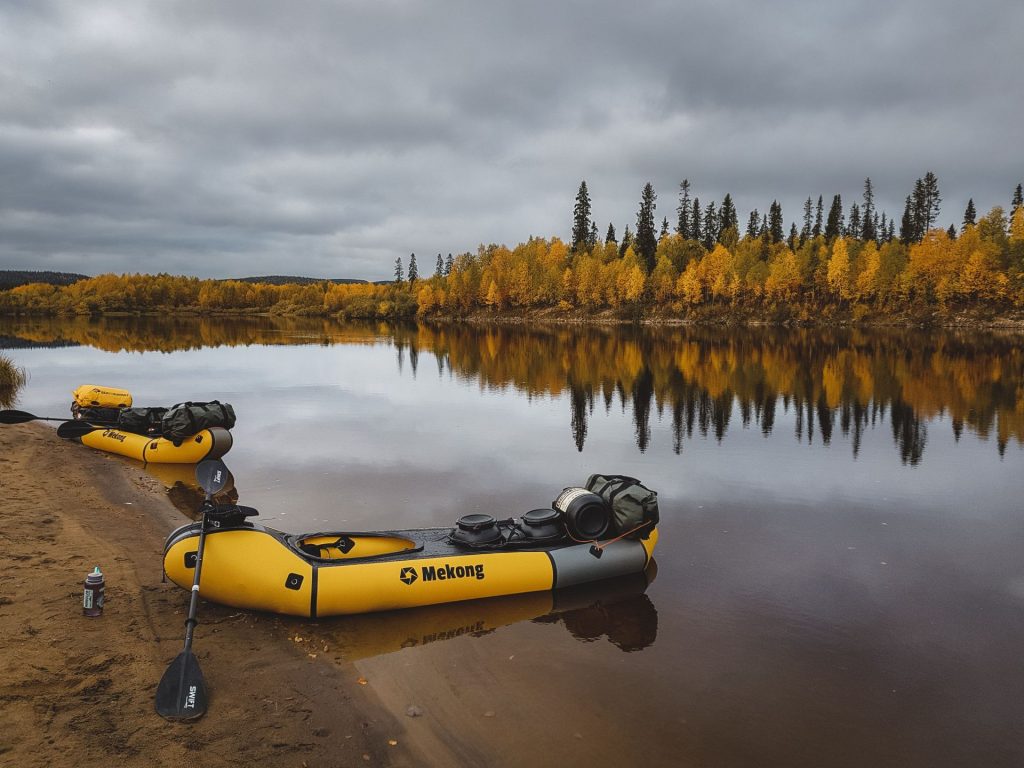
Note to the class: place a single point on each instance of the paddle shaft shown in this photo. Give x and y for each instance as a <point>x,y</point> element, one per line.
<point>193,603</point>
<point>20,417</point>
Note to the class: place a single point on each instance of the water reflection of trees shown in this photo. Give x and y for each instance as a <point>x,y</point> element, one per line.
<point>700,379</point>
<point>850,380</point>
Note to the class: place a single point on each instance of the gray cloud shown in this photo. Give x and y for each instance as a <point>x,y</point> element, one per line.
<point>230,138</point>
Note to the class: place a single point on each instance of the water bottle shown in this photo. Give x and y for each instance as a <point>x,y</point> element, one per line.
<point>92,598</point>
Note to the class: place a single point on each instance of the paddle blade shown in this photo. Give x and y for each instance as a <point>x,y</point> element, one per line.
<point>213,476</point>
<point>72,429</point>
<point>15,417</point>
<point>181,694</point>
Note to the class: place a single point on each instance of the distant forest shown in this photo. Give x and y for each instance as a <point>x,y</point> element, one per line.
<point>840,265</point>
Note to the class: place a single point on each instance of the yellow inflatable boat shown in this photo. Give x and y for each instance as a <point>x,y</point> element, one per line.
<point>325,574</point>
<point>209,444</point>
<point>106,407</point>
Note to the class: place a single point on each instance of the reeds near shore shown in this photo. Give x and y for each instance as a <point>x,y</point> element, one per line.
<point>12,378</point>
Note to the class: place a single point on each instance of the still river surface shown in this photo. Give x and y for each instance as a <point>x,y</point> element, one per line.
<point>840,575</point>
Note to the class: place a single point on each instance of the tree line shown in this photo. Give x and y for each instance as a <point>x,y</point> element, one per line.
<point>846,263</point>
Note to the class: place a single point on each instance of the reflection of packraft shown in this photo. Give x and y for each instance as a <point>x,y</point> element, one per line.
<point>186,419</point>
<point>634,506</point>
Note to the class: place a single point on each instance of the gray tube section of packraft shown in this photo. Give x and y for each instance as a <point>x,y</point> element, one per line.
<point>576,565</point>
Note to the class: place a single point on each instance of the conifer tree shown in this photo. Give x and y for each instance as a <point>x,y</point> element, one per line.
<point>439,269</point>
<point>794,237</point>
<point>448,264</point>
<point>610,234</point>
<point>696,230</point>
<point>398,269</point>
<point>970,215</point>
<point>834,225</point>
<point>951,231</point>
<point>853,226</point>
<point>646,242</point>
<point>664,228</point>
<point>882,232</point>
<point>805,233</point>
<point>817,218</point>
<point>710,226</point>
<point>930,202</point>
<point>580,219</point>
<point>775,222</point>
<point>627,240</point>
<point>1018,200</point>
<point>754,224</point>
<point>868,230</point>
<point>413,274</point>
<point>908,227</point>
<point>683,224</point>
<point>727,215</point>
<point>592,237</point>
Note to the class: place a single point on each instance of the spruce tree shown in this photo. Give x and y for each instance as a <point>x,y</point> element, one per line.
<point>398,269</point>
<point>646,242</point>
<point>727,215</point>
<point>1018,200</point>
<point>951,231</point>
<point>683,225</point>
<point>805,233</point>
<point>970,215</point>
<point>610,234</point>
<point>593,236</point>
<point>908,228</point>
<point>448,264</point>
<point>754,224</point>
<point>627,240</point>
<point>580,219</point>
<point>868,231</point>
<point>696,230</point>
<point>710,226</point>
<point>853,226</point>
<point>664,228</point>
<point>793,236</point>
<point>775,222</point>
<point>413,274</point>
<point>817,218</point>
<point>834,225</point>
<point>932,200</point>
<point>881,229</point>
<point>439,269</point>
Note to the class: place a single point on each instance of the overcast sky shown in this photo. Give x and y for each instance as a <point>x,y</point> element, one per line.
<point>328,138</point>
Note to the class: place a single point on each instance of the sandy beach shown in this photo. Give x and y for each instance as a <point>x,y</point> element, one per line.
<point>79,691</point>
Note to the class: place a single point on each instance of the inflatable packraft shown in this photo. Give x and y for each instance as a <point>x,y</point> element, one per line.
<point>576,541</point>
<point>183,434</point>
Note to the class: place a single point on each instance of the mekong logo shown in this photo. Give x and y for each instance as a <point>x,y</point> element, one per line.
<point>446,572</point>
<point>115,435</point>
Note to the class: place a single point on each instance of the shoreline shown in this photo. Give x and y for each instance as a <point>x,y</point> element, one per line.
<point>828,317</point>
<point>80,691</point>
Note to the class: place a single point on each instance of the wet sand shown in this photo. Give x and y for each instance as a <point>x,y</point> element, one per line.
<point>79,691</point>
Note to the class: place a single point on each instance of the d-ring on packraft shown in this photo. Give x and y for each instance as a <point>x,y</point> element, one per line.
<point>183,434</point>
<point>603,530</point>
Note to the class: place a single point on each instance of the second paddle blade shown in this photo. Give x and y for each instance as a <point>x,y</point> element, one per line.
<point>181,694</point>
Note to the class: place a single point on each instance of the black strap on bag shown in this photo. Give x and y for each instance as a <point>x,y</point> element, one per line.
<point>186,419</point>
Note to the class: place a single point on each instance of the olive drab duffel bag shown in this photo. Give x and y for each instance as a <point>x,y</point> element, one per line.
<point>141,421</point>
<point>186,419</point>
<point>634,505</point>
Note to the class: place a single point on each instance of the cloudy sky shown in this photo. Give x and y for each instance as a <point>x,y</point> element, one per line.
<point>251,137</point>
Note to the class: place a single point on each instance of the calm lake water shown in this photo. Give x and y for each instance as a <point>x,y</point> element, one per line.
<point>840,575</point>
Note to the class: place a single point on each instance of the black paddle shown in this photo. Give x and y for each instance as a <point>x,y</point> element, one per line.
<point>72,429</point>
<point>20,417</point>
<point>181,694</point>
